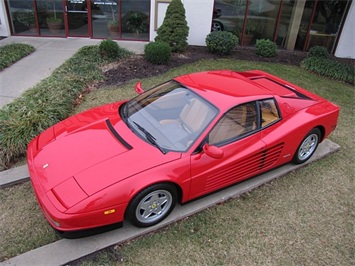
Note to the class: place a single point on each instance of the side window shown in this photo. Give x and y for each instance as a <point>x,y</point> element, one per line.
<point>238,121</point>
<point>269,113</point>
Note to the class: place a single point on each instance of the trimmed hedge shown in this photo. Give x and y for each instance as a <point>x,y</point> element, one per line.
<point>49,102</point>
<point>221,42</point>
<point>266,48</point>
<point>319,61</point>
<point>319,51</point>
<point>110,49</point>
<point>157,53</point>
<point>11,53</point>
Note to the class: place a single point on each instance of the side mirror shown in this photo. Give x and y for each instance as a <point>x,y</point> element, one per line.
<point>213,151</point>
<point>139,88</point>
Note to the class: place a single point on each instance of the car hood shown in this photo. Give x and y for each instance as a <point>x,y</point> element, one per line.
<point>94,149</point>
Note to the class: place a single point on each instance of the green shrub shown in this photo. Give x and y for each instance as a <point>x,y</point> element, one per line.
<point>157,53</point>
<point>221,42</point>
<point>319,51</point>
<point>174,30</point>
<point>266,48</point>
<point>110,49</point>
<point>11,53</point>
<point>328,67</point>
<point>47,103</point>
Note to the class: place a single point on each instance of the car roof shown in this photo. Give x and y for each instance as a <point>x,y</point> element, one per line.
<point>229,88</point>
<point>227,82</point>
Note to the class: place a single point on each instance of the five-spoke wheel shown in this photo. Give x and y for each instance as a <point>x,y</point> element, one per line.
<point>217,26</point>
<point>308,146</point>
<point>152,205</point>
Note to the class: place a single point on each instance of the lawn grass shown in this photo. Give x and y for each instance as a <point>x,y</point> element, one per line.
<point>11,53</point>
<point>306,217</point>
<point>49,101</point>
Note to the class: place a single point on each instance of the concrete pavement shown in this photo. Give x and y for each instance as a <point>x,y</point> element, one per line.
<point>50,53</point>
<point>66,250</point>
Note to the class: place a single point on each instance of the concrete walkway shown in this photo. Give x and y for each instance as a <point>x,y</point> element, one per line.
<point>65,250</point>
<point>50,53</point>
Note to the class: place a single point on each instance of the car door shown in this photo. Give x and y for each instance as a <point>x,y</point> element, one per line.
<point>272,133</point>
<point>238,135</point>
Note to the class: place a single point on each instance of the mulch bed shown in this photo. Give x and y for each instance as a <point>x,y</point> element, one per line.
<point>136,67</point>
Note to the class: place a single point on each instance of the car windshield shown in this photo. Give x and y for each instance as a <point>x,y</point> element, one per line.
<point>169,116</point>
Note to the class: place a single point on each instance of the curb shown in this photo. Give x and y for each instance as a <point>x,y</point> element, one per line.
<point>14,176</point>
<point>67,250</point>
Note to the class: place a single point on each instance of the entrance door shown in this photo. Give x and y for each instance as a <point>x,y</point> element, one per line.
<point>77,18</point>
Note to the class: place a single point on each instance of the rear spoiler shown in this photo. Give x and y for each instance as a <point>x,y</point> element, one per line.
<point>279,86</point>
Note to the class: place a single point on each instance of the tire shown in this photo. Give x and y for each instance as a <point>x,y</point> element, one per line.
<point>217,26</point>
<point>307,147</point>
<point>152,205</point>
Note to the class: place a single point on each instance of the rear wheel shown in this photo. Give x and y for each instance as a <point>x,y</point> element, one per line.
<point>307,147</point>
<point>152,205</point>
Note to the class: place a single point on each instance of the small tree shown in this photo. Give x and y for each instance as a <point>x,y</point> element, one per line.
<point>174,30</point>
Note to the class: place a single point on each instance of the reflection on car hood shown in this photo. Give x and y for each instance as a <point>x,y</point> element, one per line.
<point>96,148</point>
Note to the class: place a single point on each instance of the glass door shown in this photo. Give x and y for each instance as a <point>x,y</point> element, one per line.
<point>77,18</point>
<point>50,17</point>
<point>22,17</point>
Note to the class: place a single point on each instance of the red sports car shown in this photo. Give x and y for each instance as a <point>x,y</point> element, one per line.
<point>180,140</point>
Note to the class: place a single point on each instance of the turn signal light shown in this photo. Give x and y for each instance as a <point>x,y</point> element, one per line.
<point>109,211</point>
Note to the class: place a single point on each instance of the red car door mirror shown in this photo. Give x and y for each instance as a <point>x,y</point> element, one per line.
<point>213,151</point>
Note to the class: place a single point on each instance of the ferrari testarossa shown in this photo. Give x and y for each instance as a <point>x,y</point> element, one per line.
<point>180,140</point>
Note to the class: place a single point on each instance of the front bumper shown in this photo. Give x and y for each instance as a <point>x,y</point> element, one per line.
<point>55,212</point>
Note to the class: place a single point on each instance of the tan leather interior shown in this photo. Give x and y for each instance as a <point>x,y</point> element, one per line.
<point>236,122</point>
<point>224,130</point>
<point>193,116</point>
<point>269,114</point>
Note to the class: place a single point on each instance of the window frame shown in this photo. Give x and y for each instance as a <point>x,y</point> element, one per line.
<point>259,127</point>
<point>261,116</point>
<point>240,136</point>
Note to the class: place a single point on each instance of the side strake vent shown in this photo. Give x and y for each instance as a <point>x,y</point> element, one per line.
<point>117,136</point>
<point>270,156</point>
<point>248,166</point>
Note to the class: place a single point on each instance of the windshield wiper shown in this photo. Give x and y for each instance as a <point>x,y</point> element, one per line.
<point>150,137</point>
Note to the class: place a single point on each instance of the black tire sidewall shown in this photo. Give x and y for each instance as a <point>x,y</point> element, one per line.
<point>296,159</point>
<point>131,209</point>
<point>219,24</point>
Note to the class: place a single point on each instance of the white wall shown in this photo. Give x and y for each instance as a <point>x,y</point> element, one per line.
<point>346,44</point>
<point>4,26</point>
<point>198,16</point>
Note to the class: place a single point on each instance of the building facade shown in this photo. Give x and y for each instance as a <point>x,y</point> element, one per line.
<point>291,24</point>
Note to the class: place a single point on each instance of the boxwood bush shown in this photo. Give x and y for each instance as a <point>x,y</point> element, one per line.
<point>157,53</point>
<point>319,51</point>
<point>265,48</point>
<point>49,102</point>
<point>221,42</point>
<point>328,67</point>
<point>110,49</point>
<point>12,53</point>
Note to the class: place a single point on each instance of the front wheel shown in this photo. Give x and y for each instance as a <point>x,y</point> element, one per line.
<point>152,205</point>
<point>217,26</point>
<point>307,147</point>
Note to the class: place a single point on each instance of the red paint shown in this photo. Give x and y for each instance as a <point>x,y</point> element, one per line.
<point>80,169</point>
